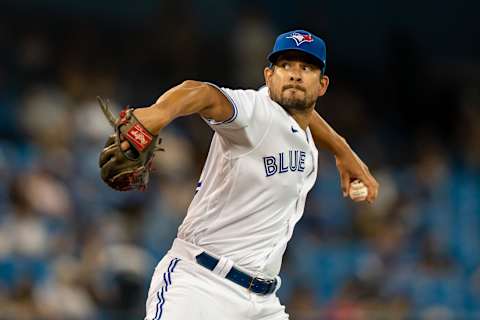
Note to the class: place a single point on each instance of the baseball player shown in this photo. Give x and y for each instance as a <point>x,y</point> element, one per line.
<point>262,162</point>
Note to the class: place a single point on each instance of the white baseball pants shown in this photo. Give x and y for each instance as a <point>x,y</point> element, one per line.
<point>181,289</point>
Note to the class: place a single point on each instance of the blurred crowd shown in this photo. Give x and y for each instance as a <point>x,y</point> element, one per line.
<point>70,248</point>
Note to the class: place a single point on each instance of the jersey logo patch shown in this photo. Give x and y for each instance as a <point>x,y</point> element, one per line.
<point>300,38</point>
<point>292,161</point>
<point>294,130</point>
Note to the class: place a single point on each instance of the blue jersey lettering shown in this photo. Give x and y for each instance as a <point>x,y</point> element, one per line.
<point>279,164</point>
<point>283,167</point>
<point>270,165</point>
<point>301,162</point>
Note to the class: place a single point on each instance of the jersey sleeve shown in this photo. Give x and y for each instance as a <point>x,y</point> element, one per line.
<point>244,126</point>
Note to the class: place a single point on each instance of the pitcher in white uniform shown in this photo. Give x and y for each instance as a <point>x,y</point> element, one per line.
<point>262,162</point>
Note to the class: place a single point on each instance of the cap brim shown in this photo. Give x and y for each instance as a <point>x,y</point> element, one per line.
<point>273,56</point>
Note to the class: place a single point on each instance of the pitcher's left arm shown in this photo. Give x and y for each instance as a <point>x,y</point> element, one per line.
<point>349,165</point>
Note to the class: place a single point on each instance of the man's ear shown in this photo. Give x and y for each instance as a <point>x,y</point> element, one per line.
<point>267,73</point>
<point>324,81</point>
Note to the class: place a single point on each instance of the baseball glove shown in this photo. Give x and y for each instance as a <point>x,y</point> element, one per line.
<point>125,170</point>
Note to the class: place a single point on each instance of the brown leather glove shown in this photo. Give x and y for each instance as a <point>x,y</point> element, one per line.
<point>129,169</point>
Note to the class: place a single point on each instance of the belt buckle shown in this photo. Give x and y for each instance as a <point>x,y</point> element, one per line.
<point>270,283</point>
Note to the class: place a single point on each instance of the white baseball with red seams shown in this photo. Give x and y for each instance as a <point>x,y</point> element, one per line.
<point>358,191</point>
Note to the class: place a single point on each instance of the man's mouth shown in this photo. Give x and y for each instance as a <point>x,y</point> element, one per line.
<point>291,86</point>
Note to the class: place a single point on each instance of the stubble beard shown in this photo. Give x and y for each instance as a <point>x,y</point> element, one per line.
<point>293,102</point>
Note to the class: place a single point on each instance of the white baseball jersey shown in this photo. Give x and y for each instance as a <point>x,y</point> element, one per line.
<point>254,184</point>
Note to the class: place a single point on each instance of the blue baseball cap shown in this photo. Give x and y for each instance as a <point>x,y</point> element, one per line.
<point>300,40</point>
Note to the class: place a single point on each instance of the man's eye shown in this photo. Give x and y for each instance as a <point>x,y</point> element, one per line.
<point>285,65</point>
<point>307,68</point>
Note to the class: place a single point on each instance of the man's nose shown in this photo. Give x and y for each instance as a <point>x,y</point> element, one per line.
<point>295,75</point>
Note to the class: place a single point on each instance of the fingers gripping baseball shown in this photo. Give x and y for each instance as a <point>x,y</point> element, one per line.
<point>352,169</point>
<point>364,188</point>
<point>358,191</point>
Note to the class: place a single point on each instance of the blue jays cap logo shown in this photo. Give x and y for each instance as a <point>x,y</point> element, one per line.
<point>300,38</point>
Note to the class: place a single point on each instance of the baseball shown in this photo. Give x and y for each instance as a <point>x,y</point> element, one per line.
<point>358,191</point>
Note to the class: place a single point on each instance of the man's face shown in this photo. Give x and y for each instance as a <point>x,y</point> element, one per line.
<point>295,81</point>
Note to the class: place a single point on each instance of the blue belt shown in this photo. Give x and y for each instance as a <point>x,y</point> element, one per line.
<point>256,285</point>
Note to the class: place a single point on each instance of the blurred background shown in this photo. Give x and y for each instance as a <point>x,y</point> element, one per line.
<point>405,93</point>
